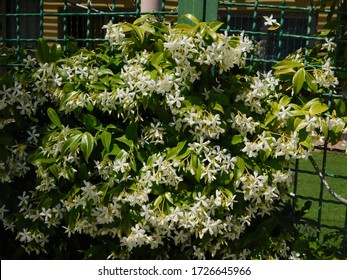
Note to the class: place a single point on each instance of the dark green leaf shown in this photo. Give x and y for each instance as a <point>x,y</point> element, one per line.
<point>56,52</point>
<point>87,145</point>
<point>43,51</point>
<point>131,131</point>
<point>54,168</point>
<point>43,160</point>
<point>91,122</point>
<point>106,138</point>
<point>126,141</point>
<point>340,106</point>
<point>53,116</point>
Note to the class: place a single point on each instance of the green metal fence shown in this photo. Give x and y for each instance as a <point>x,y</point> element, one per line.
<point>24,21</point>
<point>299,26</point>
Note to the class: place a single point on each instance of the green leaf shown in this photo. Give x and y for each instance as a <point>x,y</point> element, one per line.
<point>87,144</point>
<point>287,64</point>
<point>318,108</point>
<point>283,71</point>
<point>157,202</point>
<point>310,82</point>
<point>126,141</point>
<point>298,80</point>
<point>217,107</point>
<point>143,18</point>
<point>56,52</point>
<point>340,106</point>
<point>132,164</point>
<point>98,86</point>
<point>168,196</point>
<point>269,119</point>
<point>174,152</point>
<point>116,150</point>
<point>55,170</point>
<point>182,26</point>
<point>274,27</point>
<point>105,71</point>
<point>104,189</point>
<point>74,140</point>
<point>43,51</point>
<point>106,138</point>
<point>53,116</point>
<point>192,18</point>
<point>69,97</point>
<point>157,58</point>
<point>215,25</point>
<point>159,45</point>
<point>299,124</point>
<point>83,172</point>
<point>158,189</point>
<point>104,57</point>
<point>74,215</point>
<point>131,131</point>
<point>285,100</point>
<point>72,45</point>
<point>140,33</point>
<point>40,161</point>
<point>237,139</point>
<point>91,122</point>
<point>211,33</point>
<point>240,164</point>
<point>196,166</point>
<point>69,87</point>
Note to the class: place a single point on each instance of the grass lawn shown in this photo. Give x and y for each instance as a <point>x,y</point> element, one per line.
<point>309,185</point>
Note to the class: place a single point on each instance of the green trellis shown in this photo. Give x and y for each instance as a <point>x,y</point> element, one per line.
<point>237,15</point>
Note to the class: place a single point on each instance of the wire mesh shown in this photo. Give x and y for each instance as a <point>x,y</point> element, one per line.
<point>22,22</point>
<point>299,26</point>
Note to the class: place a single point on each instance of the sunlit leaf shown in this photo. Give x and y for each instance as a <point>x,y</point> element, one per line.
<point>298,80</point>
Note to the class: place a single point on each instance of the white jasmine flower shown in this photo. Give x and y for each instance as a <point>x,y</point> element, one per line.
<point>329,44</point>
<point>23,200</point>
<point>294,255</point>
<point>270,21</point>
<point>33,135</point>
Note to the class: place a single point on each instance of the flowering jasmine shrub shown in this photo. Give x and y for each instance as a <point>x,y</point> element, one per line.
<point>160,144</point>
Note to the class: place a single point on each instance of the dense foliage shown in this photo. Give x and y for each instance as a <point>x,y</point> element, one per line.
<point>160,144</point>
<point>336,31</point>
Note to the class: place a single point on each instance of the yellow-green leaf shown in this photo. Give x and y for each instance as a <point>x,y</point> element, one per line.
<point>192,18</point>
<point>298,80</point>
<point>310,82</point>
<point>318,108</point>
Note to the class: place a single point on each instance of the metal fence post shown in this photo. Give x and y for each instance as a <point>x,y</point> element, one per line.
<point>203,10</point>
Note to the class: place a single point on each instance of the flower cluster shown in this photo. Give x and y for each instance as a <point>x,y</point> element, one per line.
<point>157,145</point>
